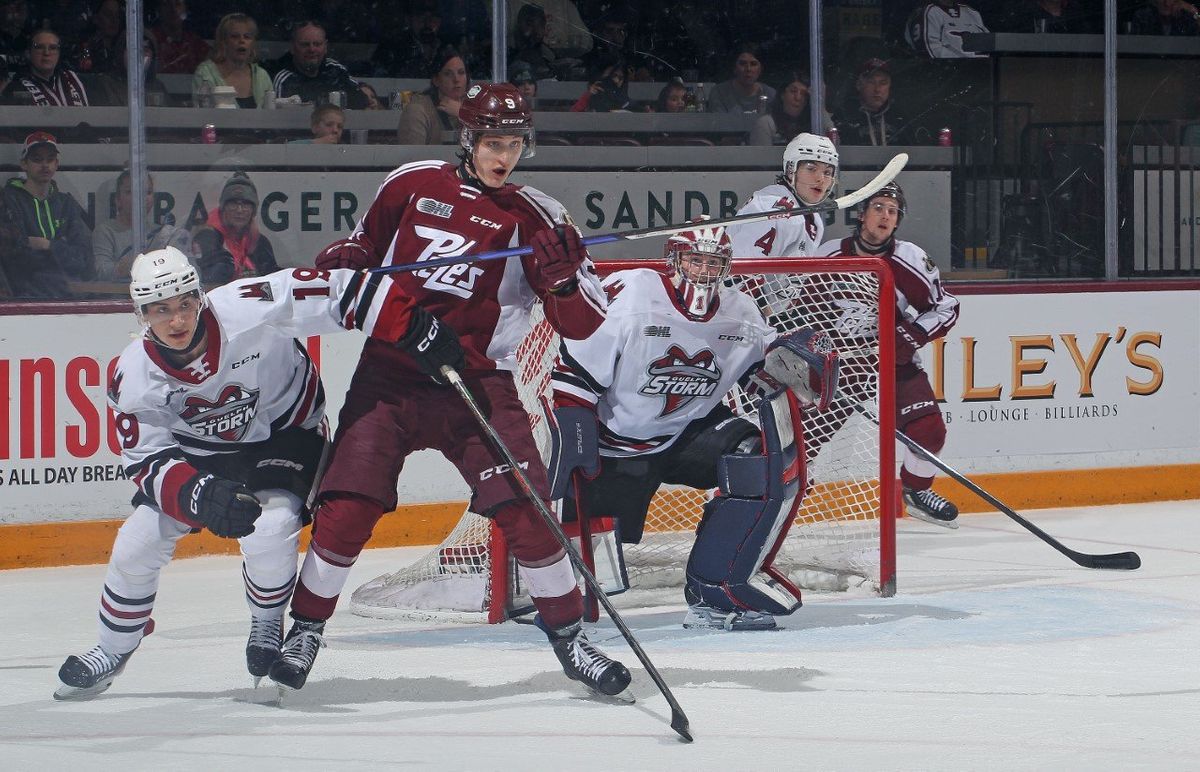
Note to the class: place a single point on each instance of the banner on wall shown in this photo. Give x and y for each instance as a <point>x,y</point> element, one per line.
<point>1029,379</point>
<point>302,212</point>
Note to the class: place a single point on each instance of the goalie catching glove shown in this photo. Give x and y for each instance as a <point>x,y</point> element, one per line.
<point>803,361</point>
<point>225,507</point>
<point>432,343</point>
<point>557,254</point>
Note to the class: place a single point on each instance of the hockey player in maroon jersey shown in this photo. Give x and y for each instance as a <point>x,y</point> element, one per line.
<point>642,401</point>
<point>470,316</point>
<point>221,418</point>
<point>925,312</point>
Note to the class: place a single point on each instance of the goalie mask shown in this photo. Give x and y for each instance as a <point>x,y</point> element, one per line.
<point>162,274</point>
<point>808,149</point>
<point>495,108</point>
<point>698,262</point>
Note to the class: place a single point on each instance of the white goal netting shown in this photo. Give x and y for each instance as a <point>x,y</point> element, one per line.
<point>842,534</point>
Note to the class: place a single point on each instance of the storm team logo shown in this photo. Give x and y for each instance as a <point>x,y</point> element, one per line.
<point>227,418</point>
<point>681,378</point>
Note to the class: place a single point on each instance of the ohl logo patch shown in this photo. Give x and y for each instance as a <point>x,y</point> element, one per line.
<point>227,418</point>
<point>681,378</point>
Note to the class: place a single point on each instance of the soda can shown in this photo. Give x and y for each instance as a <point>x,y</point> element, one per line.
<point>209,134</point>
<point>834,136</point>
<point>945,139</point>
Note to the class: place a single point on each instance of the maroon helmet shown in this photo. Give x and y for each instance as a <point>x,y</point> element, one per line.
<point>495,108</point>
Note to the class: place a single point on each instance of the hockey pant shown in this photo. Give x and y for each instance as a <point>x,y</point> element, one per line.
<point>146,542</point>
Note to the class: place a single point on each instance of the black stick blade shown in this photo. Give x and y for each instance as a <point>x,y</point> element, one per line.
<point>679,723</point>
<point>1118,561</point>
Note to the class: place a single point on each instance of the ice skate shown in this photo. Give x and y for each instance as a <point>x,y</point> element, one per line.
<point>264,646</point>
<point>701,616</point>
<point>930,507</point>
<point>86,675</point>
<point>582,661</point>
<point>290,670</point>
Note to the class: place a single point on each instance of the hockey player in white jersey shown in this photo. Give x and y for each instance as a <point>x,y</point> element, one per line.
<point>810,167</point>
<point>924,312</point>
<point>220,414</point>
<point>648,387</point>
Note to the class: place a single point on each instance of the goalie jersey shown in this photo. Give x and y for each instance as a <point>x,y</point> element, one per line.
<point>782,237</point>
<point>650,369</point>
<point>254,380</point>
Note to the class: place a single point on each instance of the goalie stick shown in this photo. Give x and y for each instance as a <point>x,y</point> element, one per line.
<point>1123,561</point>
<point>886,175</point>
<point>679,721</point>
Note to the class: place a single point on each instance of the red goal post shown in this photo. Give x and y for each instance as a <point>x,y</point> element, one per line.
<point>844,530</point>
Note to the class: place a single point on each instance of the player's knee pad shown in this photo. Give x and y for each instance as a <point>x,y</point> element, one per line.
<point>529,539</point>
<point>928,431</point>
<point>730,563</point>
<point>344,521</point>
<point>146,541</point>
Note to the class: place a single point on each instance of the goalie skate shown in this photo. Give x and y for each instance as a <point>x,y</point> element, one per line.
<point>263,647</point>
<point>582,661</point>
<point>930,507</point>
<point>704,617</point>
<point>291,669</point>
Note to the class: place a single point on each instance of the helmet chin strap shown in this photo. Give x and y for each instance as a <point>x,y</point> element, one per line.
<point>180,355</point>
<point>864,247</point>
<point>466,171</point>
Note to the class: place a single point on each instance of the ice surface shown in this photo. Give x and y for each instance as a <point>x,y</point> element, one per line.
<point>997,653</point>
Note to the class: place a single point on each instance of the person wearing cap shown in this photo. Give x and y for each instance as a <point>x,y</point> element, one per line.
<point>521,76</point>
<point>46,80</point>
<point>52,221</point>
<point>229,244</point>
<point>872,118</point>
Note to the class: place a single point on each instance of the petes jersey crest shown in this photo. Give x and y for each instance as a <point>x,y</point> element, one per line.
<point>782,237</point>
<point>650,370</point>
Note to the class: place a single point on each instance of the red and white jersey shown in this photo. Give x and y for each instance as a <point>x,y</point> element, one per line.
<point>920,296</point>
<point>253,380</point>
<point>650,369</point>
<point>782,237</point>
<point>424,211</point>
<point>936,31</point>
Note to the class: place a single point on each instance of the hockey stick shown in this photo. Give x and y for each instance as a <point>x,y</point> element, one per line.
<point>1124,561</point>
<point>679,721</point>
<point>885,176</point>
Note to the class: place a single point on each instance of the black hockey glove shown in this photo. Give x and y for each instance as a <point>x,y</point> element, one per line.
<point>432,344</point>
<point>558,253</point>
<point>225,507</point>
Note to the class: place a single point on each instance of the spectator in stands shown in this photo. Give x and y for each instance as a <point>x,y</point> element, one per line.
<point>467,27</point>
<point>672,98</point>
<point>742,93</point>
<point>1165,17</point>
<point>607,91</point>
<point>613,39</point>
<point>521,76</point>
<point>112,241</point>
<point>98,53</point>
<point>430,115</point>
<point>234,62</point>
<point>327,124</point>
<point>112,87</point>
<point>22,273</point>
<point>935,29</point>
<point>52,222</point>
<point>529,46</point>
<point>566,33</point>
<point>229,245</point>
<point>410,51</point>
<point>345,20</point>
<point>1059,17</point>
<point>179,49</point>
<point>306,70</point>
<point>871,118</point>
<point>15,31</point>
<point>46,81</point>
<point>372,96</point>
<point>787,115</point>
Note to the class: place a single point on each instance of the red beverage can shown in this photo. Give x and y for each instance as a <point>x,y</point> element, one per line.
<point>209,134</point>
<point>834,136</point>
<point>945,138</point>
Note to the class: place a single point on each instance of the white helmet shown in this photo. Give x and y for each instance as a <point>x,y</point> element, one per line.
<point>698,292</point>
<point>807,147</point>
<point>161,274</point>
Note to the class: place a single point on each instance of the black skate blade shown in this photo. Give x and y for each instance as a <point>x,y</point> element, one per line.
<point>924,518</point>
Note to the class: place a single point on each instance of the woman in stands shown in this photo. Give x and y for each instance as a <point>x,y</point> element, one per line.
<point>234,62</point>
<point>788,114</point>
<point>433,114</point>
<point>741,93</point>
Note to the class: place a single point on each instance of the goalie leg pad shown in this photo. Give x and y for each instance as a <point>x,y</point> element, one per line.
<point>729,567</point>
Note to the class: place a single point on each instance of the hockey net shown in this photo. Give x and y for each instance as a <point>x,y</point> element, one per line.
<point>844,531</point>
